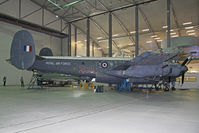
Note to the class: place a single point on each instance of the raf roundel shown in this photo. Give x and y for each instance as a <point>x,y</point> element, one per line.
<point>104,65</point>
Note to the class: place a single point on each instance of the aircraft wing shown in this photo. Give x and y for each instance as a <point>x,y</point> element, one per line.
<point>156,58</point>
<point>147,58</point>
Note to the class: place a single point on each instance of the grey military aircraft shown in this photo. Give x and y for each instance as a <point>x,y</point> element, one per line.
<point>148,68</point>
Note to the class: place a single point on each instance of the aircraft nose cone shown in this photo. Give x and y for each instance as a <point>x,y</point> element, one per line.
<point>184,69</point>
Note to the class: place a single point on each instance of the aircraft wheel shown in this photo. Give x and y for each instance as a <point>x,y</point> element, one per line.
<point>173,88</point>
<point>166,88</point>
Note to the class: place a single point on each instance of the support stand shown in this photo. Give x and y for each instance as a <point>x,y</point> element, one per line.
<point>125,86</point>
<point>33,80</point>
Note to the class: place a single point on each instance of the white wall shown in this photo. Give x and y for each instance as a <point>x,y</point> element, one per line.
<point>41,40</point>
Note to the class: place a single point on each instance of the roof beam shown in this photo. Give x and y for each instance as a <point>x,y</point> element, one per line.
<point>105,33</point>
<point>31,26</point>
<point>94,6</point>
<point>146,20</point>
<point>175,18</point>
<point>81,30</point>
<point>67,22</point>
<point>147,23</point>
<point>113,10</point>
<point>120,22</point>
<point>31,13</point>
<point>99,26</point>
<point>3,2</point>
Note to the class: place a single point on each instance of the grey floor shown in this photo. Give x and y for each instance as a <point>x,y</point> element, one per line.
<point>65,110</point>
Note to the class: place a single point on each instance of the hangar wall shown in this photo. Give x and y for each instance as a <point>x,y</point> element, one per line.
<point>26,13</point>
<point>33,13</point>
<point>41,40</point>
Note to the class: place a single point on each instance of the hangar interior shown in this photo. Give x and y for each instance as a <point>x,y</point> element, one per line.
<point>99,28</point>
<point>72,21</point>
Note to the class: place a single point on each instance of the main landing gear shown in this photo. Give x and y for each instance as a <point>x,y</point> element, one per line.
<point>165,86</point>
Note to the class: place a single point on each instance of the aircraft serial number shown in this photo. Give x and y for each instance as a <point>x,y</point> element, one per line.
<point>86,69</point>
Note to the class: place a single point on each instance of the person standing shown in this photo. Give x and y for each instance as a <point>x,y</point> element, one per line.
<point>22,82</point>
<point>4,81</point>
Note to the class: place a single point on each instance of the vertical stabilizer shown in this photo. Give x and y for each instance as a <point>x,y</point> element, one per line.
<point>22,53</point>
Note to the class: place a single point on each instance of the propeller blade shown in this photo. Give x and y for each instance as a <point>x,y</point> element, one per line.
<point>183,64</point>
<point>183,78</point>
<point>165,66</point>
<point>189,62</point>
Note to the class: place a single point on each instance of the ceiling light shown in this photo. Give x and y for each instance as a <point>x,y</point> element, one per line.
<point>154,36</point>
<point>192,71</point>
<point>103,40</point>
<point>116,35</point>
<point>164,27</point>
<point>170,30</point>
<point>191,27</point>
<point>133,32</point>
<point>145,30</point>
<point>159,40</point>
<point>78,41</point>
<point>174,36</point>
<point>173,33</point>
<point>116,39</point>
<point>62,7</point>
<point>192,34</point>
<point>190,31</point>
<point>187,23</point>
<point>99,38</point>
<point>148,41</point>
<point>56,16</point>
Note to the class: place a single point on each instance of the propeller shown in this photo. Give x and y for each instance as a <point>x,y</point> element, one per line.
<point>169,79</point>
<point>183,77</point>
<point>189,62</point>
<point>185,61</point>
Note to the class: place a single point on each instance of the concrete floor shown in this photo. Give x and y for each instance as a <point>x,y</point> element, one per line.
<point>62,110</point>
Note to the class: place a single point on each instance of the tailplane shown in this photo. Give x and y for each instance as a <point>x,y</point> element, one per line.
<point>22,53</point>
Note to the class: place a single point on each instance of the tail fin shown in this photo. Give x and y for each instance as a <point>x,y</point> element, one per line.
<point>22,53</point>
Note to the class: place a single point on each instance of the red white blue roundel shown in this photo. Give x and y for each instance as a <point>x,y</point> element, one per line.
<point>104,65</point>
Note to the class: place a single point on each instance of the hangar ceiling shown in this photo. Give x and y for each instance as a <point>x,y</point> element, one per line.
<point>152,20</point>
